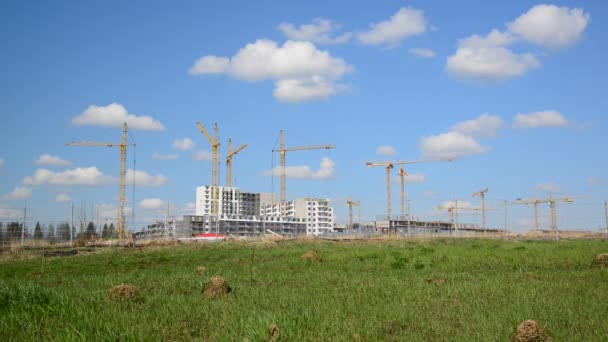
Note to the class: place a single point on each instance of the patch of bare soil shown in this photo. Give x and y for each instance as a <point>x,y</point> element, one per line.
<point>124,292</point>
<point>216,287</point>
<point>273,333</point>
<point>311,256</point>
<point>436,280</point>
<point>530,331</point>
<point>202,270</point>
<point>601,261</point>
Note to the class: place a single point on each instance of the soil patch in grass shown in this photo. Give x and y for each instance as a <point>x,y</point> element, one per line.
<point>601,261</point>
<point>273,333</point>
<point>216,287</point>
<point>311,256</point>
<point>202,270</point>
<point>124,292</point>
<point>529,331</point>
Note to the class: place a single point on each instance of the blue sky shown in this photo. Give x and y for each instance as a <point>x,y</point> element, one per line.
<point>513,89</point>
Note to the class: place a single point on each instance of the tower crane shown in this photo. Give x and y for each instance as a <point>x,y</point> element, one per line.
<point>388,165</point>
<point>482,193</point>
<point>350,204</point>
<point>453,209</point>
<point>229,156</point>
<point>215,144</point>
<point>534,201</point>
<point>552,205</point>
<point>402,175</point>
<point>282,150</point>
<point>120,221</point>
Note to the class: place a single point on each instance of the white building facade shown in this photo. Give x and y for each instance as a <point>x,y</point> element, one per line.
<point>317,213</point>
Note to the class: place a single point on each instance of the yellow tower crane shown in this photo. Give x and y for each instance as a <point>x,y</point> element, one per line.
<point>453,210</point>
<point>120,221</point>
<point>388,165</point>
<point>282,150</point>
<point>215,144</point>
<point>482,193</point>
<point>350,204</point>
<point>534,201</point>
<point>552,205</point>
<point>229,156</point>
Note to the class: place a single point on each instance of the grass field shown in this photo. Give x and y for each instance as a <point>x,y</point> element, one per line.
<point>361,291</point>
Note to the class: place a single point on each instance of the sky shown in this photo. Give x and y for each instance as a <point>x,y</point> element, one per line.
<point>512,91</point>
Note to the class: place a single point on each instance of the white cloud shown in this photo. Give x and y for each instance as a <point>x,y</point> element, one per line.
<point>457,204</point>
<point>142,178</point>
<point>551,26</point>
<point>202,155</point>
<point>183,144</point>
<point>47,159</point>
<point>19,193</point>
<point>158,156</point>
<point>405,23</point>
<point>319,31</point>
<point>549,118</point>
<point>485,126</point>
<point>422,52</point>
<point>301,72</point>
<point>415,178</point>
<point>386,150</point>
<point>151,204</point>
<point>487,58</point>
<point>9,213</point>
<point>548,187</point>
<point>110,211</point>
<point>326,171</point>
<point>78,176</point>
<point>113,115</point>
<point>450,145</point>
<point>61,198</point>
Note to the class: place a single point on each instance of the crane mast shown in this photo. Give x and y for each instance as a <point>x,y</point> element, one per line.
<point>120,220</point>
<point>552,206</point>
<point>482,193</point>
<point>229,156</point>
<point>282,150</point>
<point>215,144</point>
<point>350,204</point>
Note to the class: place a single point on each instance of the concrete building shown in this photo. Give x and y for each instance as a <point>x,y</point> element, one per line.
<point>239,226</point>
<point>231,201</point>
<point>317,213</point>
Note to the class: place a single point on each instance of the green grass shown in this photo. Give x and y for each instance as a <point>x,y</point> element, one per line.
<point>361,291</point>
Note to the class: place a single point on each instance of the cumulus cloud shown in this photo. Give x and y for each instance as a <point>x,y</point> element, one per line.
<point>490,58</point>
<point>110,211</point>
<point>411,178</point>
<point>319,31</point>
<point>158,156</point>
<point>551,26</point>
<point>301,72</point>
<point>549,118</point>
<point>61,198</point>
<point>485,126</point>
<point>183,144</point>
<point>422,52</point>
<point>113,115</point>
<point>450,145</point>
<point>407,22</point>
<point>326,171</point>
<point>50,160</point>
<point>386,150</point>
<point>151,204</point>
<point>548,187</point>
<point>19,193</point>
<point>486,58</point>
<point>202,155</point>
<point>456,204</point>
<point>142,178</point>
<point>79,176</point>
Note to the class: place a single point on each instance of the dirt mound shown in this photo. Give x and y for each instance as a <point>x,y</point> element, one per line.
<point>123,291</point>
<point>202,270</point>
<point>601,261</point>
<point>436,280</point>
<point>273,333</point>
<point>311,256</point>
<point>530,331</point>
<point>216,287</point>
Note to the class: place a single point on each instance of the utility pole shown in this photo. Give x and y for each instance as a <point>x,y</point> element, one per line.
<point>506,220</point>
<point>72,227</point>
<point>23,225</point>
<point>606,212</point>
